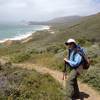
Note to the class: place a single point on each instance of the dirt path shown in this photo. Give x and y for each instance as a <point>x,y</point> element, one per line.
<point>89,93</point>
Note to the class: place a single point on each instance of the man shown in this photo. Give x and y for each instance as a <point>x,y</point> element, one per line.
<point>75,62</point>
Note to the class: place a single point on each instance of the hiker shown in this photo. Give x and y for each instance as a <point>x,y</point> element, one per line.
<point>75,62</point>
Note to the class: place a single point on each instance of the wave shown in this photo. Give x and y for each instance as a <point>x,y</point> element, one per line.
<point>26,35</point>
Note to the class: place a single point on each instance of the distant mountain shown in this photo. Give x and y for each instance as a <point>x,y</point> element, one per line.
<point>65,19</point>
<point>59,20</point>
<point>36,23</point>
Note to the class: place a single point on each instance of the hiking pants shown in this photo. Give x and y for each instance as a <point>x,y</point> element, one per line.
<point>72,85</point>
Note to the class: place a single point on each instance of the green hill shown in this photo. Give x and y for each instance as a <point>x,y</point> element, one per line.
<point>86,31</point>
<point>48,49</point>
<point>87,27</point>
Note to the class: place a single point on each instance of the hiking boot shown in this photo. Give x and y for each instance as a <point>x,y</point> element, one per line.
<point>76,96</point>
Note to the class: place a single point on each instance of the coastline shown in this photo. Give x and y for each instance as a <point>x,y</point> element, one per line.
<point>19,39</point>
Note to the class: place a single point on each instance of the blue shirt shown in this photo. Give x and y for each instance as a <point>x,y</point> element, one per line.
<point>77,59</point>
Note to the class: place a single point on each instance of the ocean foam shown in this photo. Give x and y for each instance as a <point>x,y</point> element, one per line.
<point>26,35</point>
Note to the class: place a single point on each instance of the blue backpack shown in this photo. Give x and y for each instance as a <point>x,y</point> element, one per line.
<point>85,59</point>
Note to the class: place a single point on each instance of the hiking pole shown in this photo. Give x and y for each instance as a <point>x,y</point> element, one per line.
<point>64,76</point>
<point>64,71</point>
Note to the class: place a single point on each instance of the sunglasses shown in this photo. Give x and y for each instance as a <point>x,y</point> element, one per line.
<point>68,43</point>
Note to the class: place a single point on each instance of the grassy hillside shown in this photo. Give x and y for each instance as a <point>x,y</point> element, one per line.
<point>86,32</point>
<point>22,84</point>
<point>48,49</point>
<point>86,29</point>
<point>89,27</point>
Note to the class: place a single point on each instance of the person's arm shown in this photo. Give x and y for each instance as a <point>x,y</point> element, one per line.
<point>76,61</point>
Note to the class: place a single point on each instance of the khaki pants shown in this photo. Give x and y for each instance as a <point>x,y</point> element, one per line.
<point>72,89</point>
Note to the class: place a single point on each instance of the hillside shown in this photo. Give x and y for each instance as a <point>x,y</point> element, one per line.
<point>74,26</point>
<point>86,32</point>
<point>22,84</point>
<point>46,48</point>
<point>88,27</point>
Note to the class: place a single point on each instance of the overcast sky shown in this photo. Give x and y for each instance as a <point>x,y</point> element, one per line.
<point>40,10</point>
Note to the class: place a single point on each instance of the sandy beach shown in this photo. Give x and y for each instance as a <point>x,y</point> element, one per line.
<point>22,38</point>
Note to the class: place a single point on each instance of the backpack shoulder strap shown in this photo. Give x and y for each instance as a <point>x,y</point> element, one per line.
<point>75,53</point>
<point>77,50</point>
<point>69,52</point>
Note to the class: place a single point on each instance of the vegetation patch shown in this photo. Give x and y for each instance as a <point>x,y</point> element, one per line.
<point>92,77</point>
<point>22,84</point>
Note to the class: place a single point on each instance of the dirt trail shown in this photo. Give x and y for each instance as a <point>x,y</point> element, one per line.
<point>90,94</point>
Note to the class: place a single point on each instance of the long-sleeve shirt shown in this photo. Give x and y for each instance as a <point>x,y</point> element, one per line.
<point>76,61</point>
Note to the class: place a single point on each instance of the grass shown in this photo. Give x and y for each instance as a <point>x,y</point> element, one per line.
<point>49,50</point>
<point>47,60</point>
<point>22,84</point>
<point>92,77</point>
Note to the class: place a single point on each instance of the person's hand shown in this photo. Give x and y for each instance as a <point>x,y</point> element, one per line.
<point>65,59</point>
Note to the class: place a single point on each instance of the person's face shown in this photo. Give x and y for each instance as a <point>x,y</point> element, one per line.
<point>70,45</point>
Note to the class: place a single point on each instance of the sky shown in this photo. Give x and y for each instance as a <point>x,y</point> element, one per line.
<point>42,10</point>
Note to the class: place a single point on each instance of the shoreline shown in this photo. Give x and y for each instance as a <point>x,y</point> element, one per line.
<point>21,38</point>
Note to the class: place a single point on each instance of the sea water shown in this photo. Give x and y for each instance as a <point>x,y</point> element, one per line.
<point>18,32</point>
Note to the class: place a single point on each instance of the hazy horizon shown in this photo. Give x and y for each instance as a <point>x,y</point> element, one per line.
<point>43,10</point>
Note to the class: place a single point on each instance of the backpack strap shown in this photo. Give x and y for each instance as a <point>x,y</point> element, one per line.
<point>79,52</point>
<point>74,55</point>
<point>69,52</point>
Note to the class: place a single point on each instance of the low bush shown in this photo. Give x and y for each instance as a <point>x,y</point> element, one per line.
<point>56,48</point>
<point>19,57</point>
<point>22,56</point>
<point>22,84</point>
<point>92,77</point>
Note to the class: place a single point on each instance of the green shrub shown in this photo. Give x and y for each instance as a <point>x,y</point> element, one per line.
<point>22,84</point>
<point>55,48</point>
<point>19,57</point>
<point>92,77</point>
<point>83,41</point>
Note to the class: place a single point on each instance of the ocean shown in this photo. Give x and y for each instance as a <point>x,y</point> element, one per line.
<point>18,32</point>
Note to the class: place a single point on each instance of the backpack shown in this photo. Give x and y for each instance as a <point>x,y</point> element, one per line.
<point>85,59</point>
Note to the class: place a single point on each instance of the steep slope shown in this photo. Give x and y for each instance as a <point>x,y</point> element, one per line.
<point>87,93</point>
<point>88,27</point>
<point>22,84</point>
